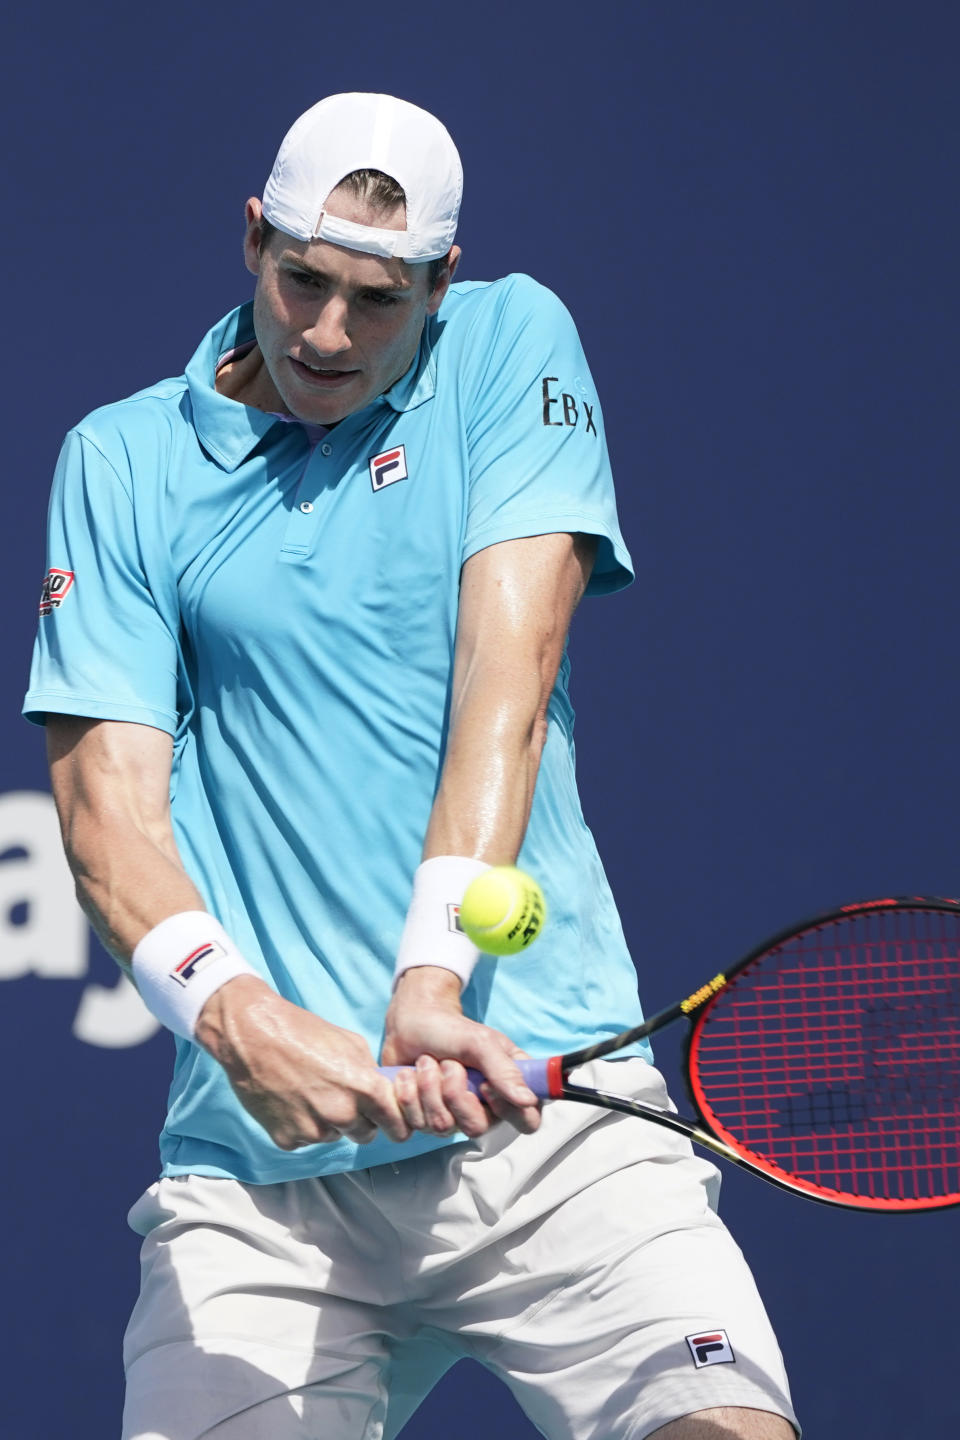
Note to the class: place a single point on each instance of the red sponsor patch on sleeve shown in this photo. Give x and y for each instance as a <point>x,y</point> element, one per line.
<point>57,585</point>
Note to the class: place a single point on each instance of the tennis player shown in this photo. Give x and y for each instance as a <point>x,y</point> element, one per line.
<point>302,666</point>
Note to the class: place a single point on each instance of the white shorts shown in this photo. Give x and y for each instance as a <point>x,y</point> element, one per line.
<point>584,1265</point>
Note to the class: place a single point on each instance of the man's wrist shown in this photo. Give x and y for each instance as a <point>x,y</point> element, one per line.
<point>428,984</point>
<point>216,1029</point>
<point>432,936</point>
<point>181,963</point>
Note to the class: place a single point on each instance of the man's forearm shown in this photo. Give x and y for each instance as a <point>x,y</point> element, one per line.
<point>490,772</point>
<point>516,602</point>
<point>111,783</point>
<point>126,884</point>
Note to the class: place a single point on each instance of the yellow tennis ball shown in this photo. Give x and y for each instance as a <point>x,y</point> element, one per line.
<point>503,910</point>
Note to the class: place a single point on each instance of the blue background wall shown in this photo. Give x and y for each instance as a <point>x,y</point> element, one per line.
<point>751,209</point>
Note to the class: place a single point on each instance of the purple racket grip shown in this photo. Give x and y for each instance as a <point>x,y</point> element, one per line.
<point>534,1073</point>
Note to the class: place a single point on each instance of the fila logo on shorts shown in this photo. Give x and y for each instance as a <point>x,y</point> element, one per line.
<point>389,467</point>
<point>56,586</point>
<point>197,960</point>
<point>712,1348</point>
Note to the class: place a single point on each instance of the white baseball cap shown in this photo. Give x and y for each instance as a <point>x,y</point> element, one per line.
<point>367,132</point>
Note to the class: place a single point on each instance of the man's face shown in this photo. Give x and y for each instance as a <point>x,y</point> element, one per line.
<point>336,327</point>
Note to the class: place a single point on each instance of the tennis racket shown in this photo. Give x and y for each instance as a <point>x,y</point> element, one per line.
<point>826,1061</point>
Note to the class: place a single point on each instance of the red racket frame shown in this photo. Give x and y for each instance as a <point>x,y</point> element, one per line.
<point>909,1153</point>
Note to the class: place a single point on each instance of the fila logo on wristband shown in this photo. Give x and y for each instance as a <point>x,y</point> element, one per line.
<point>196,961</point>
<point>453,919</point>
<point>388,467</point>
<point>711,1348</point>
<point>207,959</point>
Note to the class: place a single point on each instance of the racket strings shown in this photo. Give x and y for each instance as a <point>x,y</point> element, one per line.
<point>835,1057</point>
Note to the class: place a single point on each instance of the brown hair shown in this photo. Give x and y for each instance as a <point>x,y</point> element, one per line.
<point>382,193</point>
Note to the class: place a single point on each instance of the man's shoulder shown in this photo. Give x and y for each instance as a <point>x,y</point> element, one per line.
<point>168,404</point>
<point>471,301</point>
<point>485,328</point>
<point>138,416</point>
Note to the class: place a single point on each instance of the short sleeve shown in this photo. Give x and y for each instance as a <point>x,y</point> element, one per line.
<point>103,647</point>
<point>537,452</point>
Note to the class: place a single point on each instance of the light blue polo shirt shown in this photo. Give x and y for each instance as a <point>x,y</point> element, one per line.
<point>285,607</point>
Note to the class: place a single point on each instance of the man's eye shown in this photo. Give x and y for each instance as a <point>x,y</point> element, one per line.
<point>377,297</point>
<point>302,277</point>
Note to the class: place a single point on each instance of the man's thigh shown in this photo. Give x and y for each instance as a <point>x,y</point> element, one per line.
<point>726,1424</point>
<point>179,1394</point>
<point>245,1329</point>
<point>644,1336</point>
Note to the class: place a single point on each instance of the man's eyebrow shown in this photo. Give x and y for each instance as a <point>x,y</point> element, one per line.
<point>386,287</point>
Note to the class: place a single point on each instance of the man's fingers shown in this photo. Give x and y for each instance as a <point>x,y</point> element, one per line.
<point>407,1092</point>
<point>295,1134</point>
<point>331,1113</point>
<point>525,1118</point>
<point>361,1133</point>
<point>443,1043</point>
<point>438,1119</point>
<point>466,1107</point>
<point>382,1110</point>
<point>448,1104</point>
<point>500,1070</point>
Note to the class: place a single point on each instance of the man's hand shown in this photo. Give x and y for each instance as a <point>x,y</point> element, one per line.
<point>305,1080</point>
<point>426,1028</point>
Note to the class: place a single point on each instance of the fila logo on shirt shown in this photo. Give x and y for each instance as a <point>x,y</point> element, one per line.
<point>56,586</point>
<point>711,1348</point>
<point>197,960</point>
<point>388,467</point>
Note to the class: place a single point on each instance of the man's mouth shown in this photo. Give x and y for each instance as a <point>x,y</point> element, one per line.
<point>323,375</point>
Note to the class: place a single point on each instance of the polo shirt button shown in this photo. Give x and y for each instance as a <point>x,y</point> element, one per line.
<point>306,506</point>
<point>326,449</point>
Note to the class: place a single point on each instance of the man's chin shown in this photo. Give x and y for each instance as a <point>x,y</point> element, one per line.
<point>321,412</point>
<point>325,408</point>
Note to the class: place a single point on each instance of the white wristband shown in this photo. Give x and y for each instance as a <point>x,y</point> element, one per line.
<point>432,934</point>
<point>180,963</point>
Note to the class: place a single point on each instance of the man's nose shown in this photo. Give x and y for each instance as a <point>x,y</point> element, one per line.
<point>328,334</point>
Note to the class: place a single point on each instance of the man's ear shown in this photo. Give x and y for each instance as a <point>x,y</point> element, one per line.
<point>443,283</point>
<point>253,235</point>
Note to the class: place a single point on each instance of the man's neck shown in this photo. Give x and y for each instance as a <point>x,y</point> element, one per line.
<point>246,379</point>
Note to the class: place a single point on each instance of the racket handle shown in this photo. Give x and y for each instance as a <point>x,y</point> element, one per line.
<point>534,1073</point>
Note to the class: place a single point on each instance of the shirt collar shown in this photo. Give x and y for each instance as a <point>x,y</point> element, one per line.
<point>229,431</point>
<point>226,429</point>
